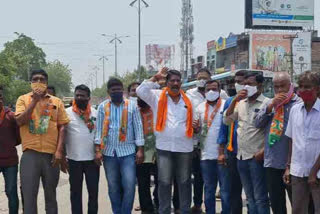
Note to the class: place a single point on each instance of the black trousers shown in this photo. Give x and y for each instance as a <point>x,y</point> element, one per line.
<point>235,185</point>
<point>92,173</point>
<point>144,183</point>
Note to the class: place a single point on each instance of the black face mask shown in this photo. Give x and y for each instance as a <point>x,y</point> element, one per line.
<point>232,92</point>
<point>82,104</point>
<point>142,104</point>
<point>117,97</point>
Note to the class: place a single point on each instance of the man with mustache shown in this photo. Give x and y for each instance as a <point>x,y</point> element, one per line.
<point>244,108</point>
<point>9,139</point>
<point>80,134</point>
<point>173,115</point>
<point>274,119</point>
<point>42,120</point>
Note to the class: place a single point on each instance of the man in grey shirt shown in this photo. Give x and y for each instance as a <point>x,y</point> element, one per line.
<point>244,108</point>
<point>274,119</point>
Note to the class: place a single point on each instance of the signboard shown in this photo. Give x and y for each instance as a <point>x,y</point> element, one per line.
<point>211,45</point>
<point>272,51</point>
<point>229,42</point>
<point>301,51</point>
<point>159,55</point>
<point>221,44</point>
<point>279,13</point>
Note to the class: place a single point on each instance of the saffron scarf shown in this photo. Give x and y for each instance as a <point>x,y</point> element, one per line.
<point>41,116</point>
<point>208,121</point>
<point>123,125</point>
<point>147,121</point>
<point>84,115</point>
<point>231,135</point>
<point>163,110</point>
<point>2,115</point>
<point>277,123</point>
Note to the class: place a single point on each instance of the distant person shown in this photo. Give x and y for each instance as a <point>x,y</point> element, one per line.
<point>303,129</point>
<point>274,119</point>
<point>244,109</point>
<point>119,134</point>
<point>207,123</point>
<point>51,90</point>
<point>80,150</point>
<point>173,115</point>
<point>132,89</point>
<point>42,120</point>
<point>9,139</point>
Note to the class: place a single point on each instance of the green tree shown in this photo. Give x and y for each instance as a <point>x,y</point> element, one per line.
<point>60,77</point>
<point>130,77</point>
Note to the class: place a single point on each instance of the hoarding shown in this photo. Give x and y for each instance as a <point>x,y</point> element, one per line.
<point>272,51</point>
<point>159,55</point>
<point>301,51</point>
<point>279,13</point>
<point>224,43</point>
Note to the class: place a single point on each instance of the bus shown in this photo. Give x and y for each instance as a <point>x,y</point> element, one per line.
<point>225,77</point>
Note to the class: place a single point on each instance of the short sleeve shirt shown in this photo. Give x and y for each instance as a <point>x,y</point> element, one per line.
<point>47,142</point>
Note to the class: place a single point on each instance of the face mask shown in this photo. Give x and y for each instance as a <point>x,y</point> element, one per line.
<point>232,92</point>
<point>252,90</point>
<point>308,95</point>
<point>116,97</point>
<point>201,83</point>
<point>212,95</point>
<point>239,87</point>
<point>172,93</point>
<point>82,104</point>
<point>39,86</point>
<point>142,104</point>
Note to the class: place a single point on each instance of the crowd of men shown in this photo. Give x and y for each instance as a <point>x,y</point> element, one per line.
<point>266,147</point>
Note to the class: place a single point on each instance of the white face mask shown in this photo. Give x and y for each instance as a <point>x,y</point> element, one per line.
<point>252,90</point>
<point>201,83</point>
<point>212,95</point>
<point>239,87</point>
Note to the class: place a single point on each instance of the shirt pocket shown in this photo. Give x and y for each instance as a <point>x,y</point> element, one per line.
<point>315,132</point>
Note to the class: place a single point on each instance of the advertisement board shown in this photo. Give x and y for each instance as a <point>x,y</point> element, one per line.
<point>224,43</point>
<point>272,51</point>
<point>159,55</point>
<point>301,51</point>
<point>279,13</point>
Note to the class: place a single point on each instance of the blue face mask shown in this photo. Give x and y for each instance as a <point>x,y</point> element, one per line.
<point>116,97</point>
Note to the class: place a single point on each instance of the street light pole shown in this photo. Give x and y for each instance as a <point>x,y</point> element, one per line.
<point>139,32</point>
<point>115,40</point>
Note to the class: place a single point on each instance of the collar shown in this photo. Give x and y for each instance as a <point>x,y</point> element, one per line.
<point>259,99</point>
<point>316,105</point>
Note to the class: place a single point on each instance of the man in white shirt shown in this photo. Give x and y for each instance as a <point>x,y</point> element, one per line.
<point>197,96</point>
<point>80,151</point>
<point>173,116</point>
<point>208,119</point>
<point>304,146</point>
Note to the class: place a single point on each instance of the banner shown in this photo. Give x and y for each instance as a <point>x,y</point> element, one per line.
<point>270,51</point>
<point>301,51</point>
<point>159,56</point>
<point>294,13</point>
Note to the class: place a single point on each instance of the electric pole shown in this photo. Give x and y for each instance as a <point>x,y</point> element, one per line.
<point>291,38</point>
<point>139,32</point>
<point>115,39</point>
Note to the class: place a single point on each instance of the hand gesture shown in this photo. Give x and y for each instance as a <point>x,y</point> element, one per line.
<point>162,74</point>
<point>241,95</point>
<point>278,99</point>
<point>196,125</point>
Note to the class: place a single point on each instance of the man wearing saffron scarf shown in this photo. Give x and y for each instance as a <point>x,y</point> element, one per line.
<point>42,120</point>
<point>274,118</point>
<point>9,139</point>
<point>303,129</point>
<point>207,122</point>
<point>80,134</point>
<point>119,132</point>
<point>173,114</point>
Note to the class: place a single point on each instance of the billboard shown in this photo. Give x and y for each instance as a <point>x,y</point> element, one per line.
<point>225,43</point>
<point>283,14</point>
<point>301,51</point>
<point>159,55</point>
<point>272,51</point>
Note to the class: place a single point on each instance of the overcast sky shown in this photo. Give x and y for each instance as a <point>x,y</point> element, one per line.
<point>70,30</point>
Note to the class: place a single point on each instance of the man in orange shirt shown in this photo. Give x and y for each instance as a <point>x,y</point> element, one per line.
<point>42,119</point>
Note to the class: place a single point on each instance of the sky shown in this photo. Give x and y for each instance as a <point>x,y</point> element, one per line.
<point>70,30</point>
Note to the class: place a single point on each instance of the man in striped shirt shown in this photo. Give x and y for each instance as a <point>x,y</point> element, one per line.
<point>119,131</point>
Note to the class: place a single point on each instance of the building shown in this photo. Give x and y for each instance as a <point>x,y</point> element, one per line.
<point>196,65</point>
<point>211,56</point>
